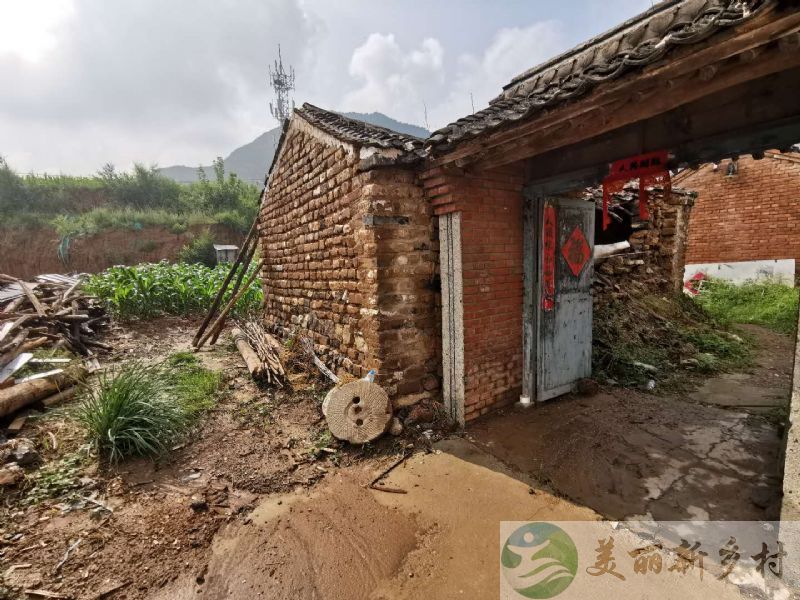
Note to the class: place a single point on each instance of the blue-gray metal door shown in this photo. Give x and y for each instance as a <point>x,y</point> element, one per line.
<point>563,352</point>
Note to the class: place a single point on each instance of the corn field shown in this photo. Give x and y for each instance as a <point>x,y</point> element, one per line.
<point>153,289</point>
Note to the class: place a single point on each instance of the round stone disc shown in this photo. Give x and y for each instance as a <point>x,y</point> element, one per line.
<point>359,412</point>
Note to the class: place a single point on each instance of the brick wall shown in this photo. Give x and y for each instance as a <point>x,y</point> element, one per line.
<point>349,260</point>
<point>400,239</point>
<point>491,249</point>
<point>753,215</point>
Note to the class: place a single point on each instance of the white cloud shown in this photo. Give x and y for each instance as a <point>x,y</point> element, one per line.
<point>393,81</point>
<point>511,52</point>
<point>28,29</point>
<point>397,81</point>
<point>173,82</point>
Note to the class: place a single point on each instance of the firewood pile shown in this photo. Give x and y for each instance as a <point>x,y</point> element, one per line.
<point>50,313</point>
<point>261,352</point>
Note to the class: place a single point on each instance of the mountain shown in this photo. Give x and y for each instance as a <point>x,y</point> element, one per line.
<point>251,161</point>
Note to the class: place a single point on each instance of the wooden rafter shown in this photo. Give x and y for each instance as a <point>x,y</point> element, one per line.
<point>600,110</point>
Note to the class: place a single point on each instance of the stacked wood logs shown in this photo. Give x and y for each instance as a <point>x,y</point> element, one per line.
<point>51,313</point>
<point>261,353</point>
<point>48,313</point>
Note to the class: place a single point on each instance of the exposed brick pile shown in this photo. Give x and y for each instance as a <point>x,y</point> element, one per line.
<point>655,261</point>
<point>751,215</point>
<point>349,261</point>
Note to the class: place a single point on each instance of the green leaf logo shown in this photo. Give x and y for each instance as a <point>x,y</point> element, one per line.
<point>539,560</point>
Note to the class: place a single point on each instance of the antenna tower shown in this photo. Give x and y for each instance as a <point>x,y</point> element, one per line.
<point>283,83</point>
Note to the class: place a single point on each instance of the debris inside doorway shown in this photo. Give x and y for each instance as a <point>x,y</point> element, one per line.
<point>653,342</point>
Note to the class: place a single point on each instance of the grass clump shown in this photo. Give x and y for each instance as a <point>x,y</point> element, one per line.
<point>152,289</point>
<point>141,410</point>
<point>769,304</point>
<point>194,385</point>
<point>130,412</point>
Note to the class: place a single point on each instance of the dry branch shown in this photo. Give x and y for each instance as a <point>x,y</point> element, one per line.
<point>220,322</point>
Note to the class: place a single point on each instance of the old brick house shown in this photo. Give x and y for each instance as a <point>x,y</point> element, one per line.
<point>747,215</point>
<point>350,250</point>
<point>351,214</point>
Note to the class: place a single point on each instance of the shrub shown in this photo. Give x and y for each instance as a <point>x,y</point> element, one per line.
<point>153,289</point>
<point>111,200</point>
<point>769,304</point>
<point>199,250</point>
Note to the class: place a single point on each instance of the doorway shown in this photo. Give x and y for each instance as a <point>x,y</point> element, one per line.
<point>557,309</point>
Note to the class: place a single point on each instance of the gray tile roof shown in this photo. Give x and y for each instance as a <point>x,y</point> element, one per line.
<point>358,132</point>
<point>640,41</point>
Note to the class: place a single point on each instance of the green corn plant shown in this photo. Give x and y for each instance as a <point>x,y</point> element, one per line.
<point>152,289</point>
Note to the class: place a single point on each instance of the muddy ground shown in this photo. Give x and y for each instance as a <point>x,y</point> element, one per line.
<point>629,454</point>
<point>251,507</point>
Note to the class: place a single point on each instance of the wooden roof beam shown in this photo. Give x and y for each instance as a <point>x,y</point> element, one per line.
<point>647,104</point>
<point>747,41</point>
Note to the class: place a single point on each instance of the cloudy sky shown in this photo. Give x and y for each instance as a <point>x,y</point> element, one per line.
<point>86,82</point>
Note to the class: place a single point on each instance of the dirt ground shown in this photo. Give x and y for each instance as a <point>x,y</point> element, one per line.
<point>250,507</point>
<point>252,444</point>
<point>343,541</point>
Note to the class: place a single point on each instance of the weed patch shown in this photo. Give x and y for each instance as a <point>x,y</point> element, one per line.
<point>661,339</point>
<point>56,478</point>
<point>769,304</point>
<point>194,385</point>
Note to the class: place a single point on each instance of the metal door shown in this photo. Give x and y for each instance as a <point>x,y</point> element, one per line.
<point>563,309</point>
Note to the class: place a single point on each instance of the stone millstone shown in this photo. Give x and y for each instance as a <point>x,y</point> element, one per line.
<point>359,412</point>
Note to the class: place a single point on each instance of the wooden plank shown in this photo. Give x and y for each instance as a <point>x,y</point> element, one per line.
<point>49,361</point>
<point>38,376</point>
<point>32,297</point>
<point>14,366</point>
<point>18,423</point>
<point>529,253</point>
<point>5,330</point>
<point>9,327</point>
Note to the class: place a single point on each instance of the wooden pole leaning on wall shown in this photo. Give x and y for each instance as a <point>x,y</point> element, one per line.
<point>239,277</point>
<point>244,251</point>
<point>218,324</point>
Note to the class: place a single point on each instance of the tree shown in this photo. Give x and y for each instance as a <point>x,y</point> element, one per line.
<point>13,195</point>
